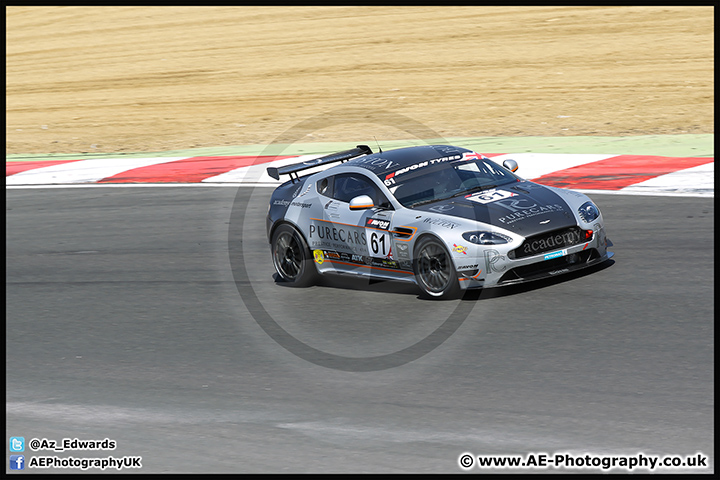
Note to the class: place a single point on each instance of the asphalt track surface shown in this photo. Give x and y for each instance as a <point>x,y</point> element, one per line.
<point>124,321</point>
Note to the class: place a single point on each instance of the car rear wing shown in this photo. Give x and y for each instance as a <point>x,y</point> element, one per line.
<point>293,169</point>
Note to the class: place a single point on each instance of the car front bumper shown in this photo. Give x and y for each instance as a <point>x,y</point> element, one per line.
<point>495,268</point>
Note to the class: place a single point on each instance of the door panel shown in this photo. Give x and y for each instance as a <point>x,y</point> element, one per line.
<point>353,241</point>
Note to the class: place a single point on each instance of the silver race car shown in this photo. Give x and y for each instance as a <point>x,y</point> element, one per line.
<point>443,217</point>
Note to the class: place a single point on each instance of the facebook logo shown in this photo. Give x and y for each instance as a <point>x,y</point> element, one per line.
<point>17,462</point>
<point>17,444</point>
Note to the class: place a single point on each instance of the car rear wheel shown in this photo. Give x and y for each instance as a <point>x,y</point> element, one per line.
<point>434,270</point>
<point>291,257</point>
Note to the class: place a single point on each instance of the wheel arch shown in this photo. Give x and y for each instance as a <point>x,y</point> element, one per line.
<point>449,290</point>
<point>307,271</point>
<point>436,237</point>
<point>284,221</point>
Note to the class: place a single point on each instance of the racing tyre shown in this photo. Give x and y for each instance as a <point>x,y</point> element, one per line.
<point>291,257</point>
<point>434,270</point>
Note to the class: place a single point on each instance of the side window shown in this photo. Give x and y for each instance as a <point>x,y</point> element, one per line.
<point>325,186</point>
<point>351,185</point>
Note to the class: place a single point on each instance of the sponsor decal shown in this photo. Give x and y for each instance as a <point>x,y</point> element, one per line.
<point>565,239</point>
<point>390,178</point>
<point>306,190</point>
<point>385,263</point>
<point>441,223</point>
<point>441,208</point>
<point>331,208</point>
<point>319,258</point>
<point>402,250</point>
<point>378,223</point>
<point>600,232</point>
<point>468,267</point>
<point>314,161</point>
<point>492,258</point>
<point>559,253</point>
<point>521,211</point>
<point>459,249</point>
<point>375,163</point>
<point>370,261</point>
<point>558,272</point>
<point>360,259</point>
<point>331,254</point>
<point>285,203</point>
<point>327,232</point>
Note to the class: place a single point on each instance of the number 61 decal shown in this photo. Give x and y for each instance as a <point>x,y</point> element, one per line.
<point>490,196</point>
<point>379,244</point>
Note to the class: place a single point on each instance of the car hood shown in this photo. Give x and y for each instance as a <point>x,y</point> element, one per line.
<point>525,208</point>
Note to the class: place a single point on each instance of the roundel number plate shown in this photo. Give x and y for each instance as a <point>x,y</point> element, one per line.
<point>379,244</point>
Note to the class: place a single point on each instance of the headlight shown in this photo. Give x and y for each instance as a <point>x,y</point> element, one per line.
<point>588,212</point>
<point>486,238</point>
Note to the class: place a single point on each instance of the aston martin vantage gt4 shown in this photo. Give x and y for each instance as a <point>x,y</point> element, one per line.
<point>443,217</point>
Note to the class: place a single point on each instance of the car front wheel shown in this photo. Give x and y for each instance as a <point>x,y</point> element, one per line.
<point>434,270</point>
<point>291,257</point>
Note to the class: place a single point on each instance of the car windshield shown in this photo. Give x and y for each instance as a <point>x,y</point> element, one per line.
<point>446,180</point>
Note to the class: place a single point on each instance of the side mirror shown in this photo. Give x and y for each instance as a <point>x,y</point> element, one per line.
<point>510,165</point>
<point>361,202</point>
